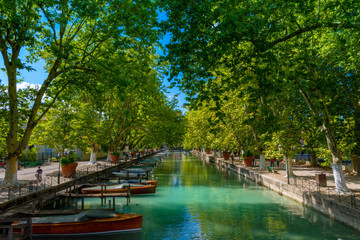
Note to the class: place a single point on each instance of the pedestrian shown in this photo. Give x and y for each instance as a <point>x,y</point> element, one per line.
<point>38,174</point>
<point>278,162</point>
<point>271,162</point>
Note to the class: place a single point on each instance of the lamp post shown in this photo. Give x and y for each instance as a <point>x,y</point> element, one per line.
<point>287,164</point>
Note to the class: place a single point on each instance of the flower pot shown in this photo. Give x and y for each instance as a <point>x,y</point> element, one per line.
<point>133,154</point>
<point>142,152</point>
<point>114,158</point>
<point>226,155</point>
<point>248,161</point>
<point>19,167</point>
<point>208,151</point>
<point>69,170</point>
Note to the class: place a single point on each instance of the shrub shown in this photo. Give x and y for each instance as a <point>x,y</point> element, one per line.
<point>70,159</point>
<point>247,153</point>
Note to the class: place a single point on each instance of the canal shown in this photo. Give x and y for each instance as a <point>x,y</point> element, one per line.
<point>195,200</point>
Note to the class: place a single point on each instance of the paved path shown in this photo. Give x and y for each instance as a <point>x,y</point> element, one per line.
<point>307,172</point>
<point>28,173</point>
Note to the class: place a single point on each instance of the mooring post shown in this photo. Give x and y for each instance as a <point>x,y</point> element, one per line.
<point>82,203</point>
<point>76,205</point>
<point>102,194</point>
<point>109,204</point>
<point>128,195</point>
<point>114,203</point>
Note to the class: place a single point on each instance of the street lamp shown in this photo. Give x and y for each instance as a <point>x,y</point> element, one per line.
<point>287,164</point>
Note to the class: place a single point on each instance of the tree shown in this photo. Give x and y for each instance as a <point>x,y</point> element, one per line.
<point>66,35</point>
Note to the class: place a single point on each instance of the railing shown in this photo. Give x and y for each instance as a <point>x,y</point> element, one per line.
<point>349,199</point>
<point>25,188</point>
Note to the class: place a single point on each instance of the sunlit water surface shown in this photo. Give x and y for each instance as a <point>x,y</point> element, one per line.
<point>195,200</point>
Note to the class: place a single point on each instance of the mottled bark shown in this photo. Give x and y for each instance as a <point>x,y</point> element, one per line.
<point>94,149</point>
<point>313,159</point>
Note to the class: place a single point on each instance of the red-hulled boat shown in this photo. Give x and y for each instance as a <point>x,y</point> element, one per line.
<point>91,222</point>
<point>121,188</point>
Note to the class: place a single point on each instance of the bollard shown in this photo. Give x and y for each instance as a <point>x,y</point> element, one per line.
<point>109,204</point>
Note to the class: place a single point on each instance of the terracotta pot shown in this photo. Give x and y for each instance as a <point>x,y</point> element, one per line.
<point>69,170</point>
<point>133,154</point>
<point>114,158</point>
<point>248,161</point>
<point>208,151</point>
<point>142,152</point>
<point>19,167</point>
<point>226,155</point>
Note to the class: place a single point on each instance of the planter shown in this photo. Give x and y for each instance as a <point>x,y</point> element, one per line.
<point>114,158</point>
<point>248,161</point>
<point>208,151</point>
<point>142,152</point>
<point>226,155</point>
<point>133,154</point>
<point>19,167</point>
<point>69,170</point>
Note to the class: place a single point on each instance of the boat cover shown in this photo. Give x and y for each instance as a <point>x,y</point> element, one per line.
<point>81,217</point>
<point>118,186</point>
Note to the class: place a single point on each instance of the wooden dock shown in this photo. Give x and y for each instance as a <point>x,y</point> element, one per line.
<point>103,195</point>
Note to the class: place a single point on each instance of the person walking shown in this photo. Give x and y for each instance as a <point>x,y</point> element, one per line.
<point>271,162</point>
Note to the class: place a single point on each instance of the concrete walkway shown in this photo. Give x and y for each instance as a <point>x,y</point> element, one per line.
<point>306,172</point>
<point>28,174</point>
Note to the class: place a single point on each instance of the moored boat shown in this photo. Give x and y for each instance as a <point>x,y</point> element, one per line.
<point>121,188</point>
<point>91,222</point>
<point>151,182</point>
<point>128,174</point>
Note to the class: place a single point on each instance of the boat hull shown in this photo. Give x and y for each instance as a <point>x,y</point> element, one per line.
<point>120,223</point>
<point>133,190</point>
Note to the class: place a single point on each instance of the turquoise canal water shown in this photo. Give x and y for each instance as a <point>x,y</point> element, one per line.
<point>195,200</point>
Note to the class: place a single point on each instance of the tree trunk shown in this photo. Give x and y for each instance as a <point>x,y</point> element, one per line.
<point>262,162</point>
<point>340,182</point>
<point>11,172</point>
<point>108,157</point>
<point>288,161</point>
<point>94,149</point>
<point>313,159</point>
<point>355,162</point>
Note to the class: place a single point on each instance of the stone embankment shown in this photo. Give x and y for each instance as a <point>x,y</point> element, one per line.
<point>310,197</point>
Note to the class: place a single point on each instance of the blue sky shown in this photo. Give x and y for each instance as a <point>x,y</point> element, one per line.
<point>38,76</point>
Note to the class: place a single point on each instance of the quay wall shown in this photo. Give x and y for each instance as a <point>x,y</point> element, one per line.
<point>335,210</point>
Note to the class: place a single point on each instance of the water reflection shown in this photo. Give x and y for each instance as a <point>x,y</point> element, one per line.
<point>196,201</point>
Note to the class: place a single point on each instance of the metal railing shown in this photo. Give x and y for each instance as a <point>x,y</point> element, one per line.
<point>8,193</point>
<point>349,199</point>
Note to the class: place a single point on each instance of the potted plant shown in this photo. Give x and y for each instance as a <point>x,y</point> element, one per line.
<point>248,158</point>
<point>226,154</point>
<point>114,157</point>
<point>68,165</point>
<point>207,151</point>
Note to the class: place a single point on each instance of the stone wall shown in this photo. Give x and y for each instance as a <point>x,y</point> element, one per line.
<point>343,213</point>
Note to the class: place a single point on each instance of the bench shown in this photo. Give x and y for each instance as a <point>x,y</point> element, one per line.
<point>271,169</point>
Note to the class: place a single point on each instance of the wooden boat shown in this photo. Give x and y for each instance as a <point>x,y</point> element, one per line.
<point>149,182</point>
<point>121,188</point>
<point>130,175</point>
<point>135,170</point>
<point>91,222</point>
